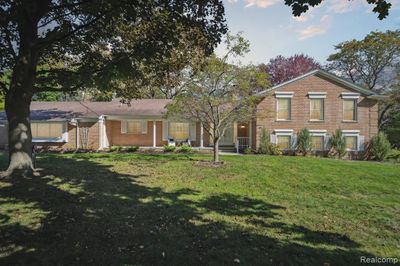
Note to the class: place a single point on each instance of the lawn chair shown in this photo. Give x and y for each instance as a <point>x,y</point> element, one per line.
<point>171,142</point>
<point>187,142</point>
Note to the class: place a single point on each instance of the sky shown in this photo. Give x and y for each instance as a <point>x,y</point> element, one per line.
<point>272,29</point>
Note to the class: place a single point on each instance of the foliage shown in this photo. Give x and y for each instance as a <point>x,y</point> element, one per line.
<point>304,145</point>
<point>185,149</point>
<point>378,147</point>
<point>265,142</point>
<point>281,69</point>
<point>169,148</point>
<point>337,144</point>
<point>394,154</point>
<point>1,101</point>
<point>132,148</point>
<point>247,151</point>
<point>299,7</point>
<point>390,115</point>
<point>115,149</point>
<point>221,93</point>
<point>49,96</point>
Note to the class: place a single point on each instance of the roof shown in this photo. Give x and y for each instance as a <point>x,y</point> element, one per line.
<point>61,111</point>
<point>330,76</point>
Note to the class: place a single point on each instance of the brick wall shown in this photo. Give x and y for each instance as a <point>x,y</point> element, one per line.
<point>367,109</point>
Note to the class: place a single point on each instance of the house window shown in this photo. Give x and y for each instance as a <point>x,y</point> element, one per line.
<point>283,106</point>
<point>47,130</point>
<point>134,127</point>
<point>283,141</point>
<point>179,131</point>
<point>349,110</point>
<point>351,142</point>
<point>317,143</point>
<point>316,109</point>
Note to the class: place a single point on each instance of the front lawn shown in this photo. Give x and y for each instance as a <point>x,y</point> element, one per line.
<point>162,209</point>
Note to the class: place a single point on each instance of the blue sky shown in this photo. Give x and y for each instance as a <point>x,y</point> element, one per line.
<point>272,30</point>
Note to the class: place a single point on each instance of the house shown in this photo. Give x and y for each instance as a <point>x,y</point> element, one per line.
<point>318,100</point>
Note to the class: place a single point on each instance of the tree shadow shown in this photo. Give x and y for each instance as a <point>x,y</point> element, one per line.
<point>88,213</point>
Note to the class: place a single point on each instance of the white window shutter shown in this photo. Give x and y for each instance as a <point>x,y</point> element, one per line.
<point>361,142</point>
<point>293,141</point>
<point>165,130</point>
<point>124,126</point>
<point>144,126</point>
<point>273,139</point>
<point>192,131</point>
<point>326,142</point>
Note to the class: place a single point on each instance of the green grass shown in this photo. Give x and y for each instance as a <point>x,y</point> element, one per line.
<point>162,209</point>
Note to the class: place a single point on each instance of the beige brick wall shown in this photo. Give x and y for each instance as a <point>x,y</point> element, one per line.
<point>367,110</point>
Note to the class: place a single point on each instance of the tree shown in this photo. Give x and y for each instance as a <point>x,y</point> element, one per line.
<point>369,62</point>
<point>381,7</point>
<point>1,101</point>
<point>221,93</point>
<point>99,43</point>
<point>304,144</point>
<point>281,69</point>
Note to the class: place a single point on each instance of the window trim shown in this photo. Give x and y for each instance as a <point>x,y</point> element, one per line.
<point>277,108</point>
<point>284,132</point>
<point>323,110</point>
<point>319,133</point>
<point>64,135</point>
<point>352,133</point>
<point>124,123</point>
<point>355,101</point>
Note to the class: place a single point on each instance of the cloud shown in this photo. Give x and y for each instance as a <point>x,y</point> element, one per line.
<point>260,3</point>
<point>315,30</point>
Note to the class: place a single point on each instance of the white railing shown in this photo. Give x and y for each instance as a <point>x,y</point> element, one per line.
<point>242,143</point>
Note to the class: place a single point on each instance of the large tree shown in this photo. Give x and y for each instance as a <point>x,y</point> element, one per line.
<point>381,7</point>
<point>100,44</point>
<point>371,62</point>
<point>281,69</point>
<point>221,93</point>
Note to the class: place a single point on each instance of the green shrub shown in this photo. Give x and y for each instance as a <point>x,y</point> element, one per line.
<point>185,149</point>
<point>304,142</point>
<point>116,148</point>
<point>132,148</point>
<point>337,144</point>
<point>378,148</point>
<point>265,142</point>
<point>248,151</point>
<point>394,154</point>
<point>169,148</point>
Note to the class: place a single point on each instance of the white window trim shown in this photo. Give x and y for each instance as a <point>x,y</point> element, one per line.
<point>350,95</point>
<point>319,133</point>
<point>290,109</point>
<point>317,95</point>
<point>323,111</point>
<point>284,132</point>
<point>352,133</point>
<point>355,110</point>
<point>284,94</point>
<point>62,139</point>
<point>124,123</point>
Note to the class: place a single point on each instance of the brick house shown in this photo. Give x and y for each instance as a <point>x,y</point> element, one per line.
<point>318,100</point>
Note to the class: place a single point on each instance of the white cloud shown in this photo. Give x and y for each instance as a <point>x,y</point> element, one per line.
<point>260,3</point>
<point>315,30</point>
<point>342,6</point>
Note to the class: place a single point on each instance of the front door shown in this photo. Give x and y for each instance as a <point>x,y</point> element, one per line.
<point>227,139</point>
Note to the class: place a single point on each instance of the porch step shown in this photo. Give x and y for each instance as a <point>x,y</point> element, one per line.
<point>227,148</point>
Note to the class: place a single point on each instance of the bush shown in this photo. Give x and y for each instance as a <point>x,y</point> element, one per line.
<point>115,148</point>
<point>132,148</point>
<point>394,154</point>
<point>304,142</point>
<point>337,144</point>
<point>248,151</point>
<point>378,148</point>
<point>185,149</point>
<point>265,142</point>
<point>168,148</point>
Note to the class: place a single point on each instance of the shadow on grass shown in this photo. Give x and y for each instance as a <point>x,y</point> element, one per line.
<point>93,215</point>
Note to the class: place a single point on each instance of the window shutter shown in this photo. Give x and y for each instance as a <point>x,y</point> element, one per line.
<point>192,131</point>
<point>165,130</point>
<point>326,142</point>
<point>273,139</point>
<point>294,141</point>
<point>124,126</point>
<point>361,142</point>
<point>144,126</point>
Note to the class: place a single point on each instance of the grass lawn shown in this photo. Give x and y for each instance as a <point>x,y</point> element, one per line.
<point>162,209</point>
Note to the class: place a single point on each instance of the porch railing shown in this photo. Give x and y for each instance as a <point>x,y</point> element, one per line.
<point>242,143</point>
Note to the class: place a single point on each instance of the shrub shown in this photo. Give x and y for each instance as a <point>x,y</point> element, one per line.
<point>394,154</point>
<point>265,142</point>
<point>169,148</point>
<point>304,142</point>
<point>378,148</point>
<point>248,151</point>
<point>185,149</point>
<point>132,148</point>
<point>116,148</point>
<point>337,144</point>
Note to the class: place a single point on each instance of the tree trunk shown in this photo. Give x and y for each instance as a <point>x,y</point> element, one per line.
<point>216,151</point>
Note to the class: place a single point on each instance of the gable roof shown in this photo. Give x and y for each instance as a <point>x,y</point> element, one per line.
<point>327,75</point>
<point>61,111</point>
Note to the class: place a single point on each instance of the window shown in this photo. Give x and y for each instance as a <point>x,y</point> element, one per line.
<point>351,143</point>
<point>134,127</point>
<point>349,110</point>
<point>283,108</point>
<point>317,143</point>
<point>47,130</point>
<point>178,131</point>
<point>283,142</point>
<point>316,109</point>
